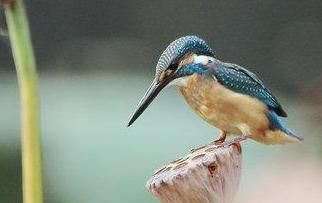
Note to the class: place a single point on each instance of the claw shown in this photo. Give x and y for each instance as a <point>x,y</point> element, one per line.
<point>232,141</point>
<point>221,139</point>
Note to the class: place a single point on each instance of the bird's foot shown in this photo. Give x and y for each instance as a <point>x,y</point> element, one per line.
<point>232,141</point>
<point>221,139</point>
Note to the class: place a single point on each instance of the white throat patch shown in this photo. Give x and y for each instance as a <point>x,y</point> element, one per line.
<point>180,82</point>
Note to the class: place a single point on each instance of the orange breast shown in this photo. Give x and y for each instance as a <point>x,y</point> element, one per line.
<point>230,111</point>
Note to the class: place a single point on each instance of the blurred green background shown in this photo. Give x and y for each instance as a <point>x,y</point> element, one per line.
<point>95,60</point>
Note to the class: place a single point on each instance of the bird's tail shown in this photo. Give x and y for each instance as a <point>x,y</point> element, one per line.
<point>276,123</point>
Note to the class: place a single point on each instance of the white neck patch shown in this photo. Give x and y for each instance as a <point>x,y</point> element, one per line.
<point>180,82</point>
<point>202,59</point>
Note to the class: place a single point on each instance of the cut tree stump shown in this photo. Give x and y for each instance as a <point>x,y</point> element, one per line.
<point>209,174</point>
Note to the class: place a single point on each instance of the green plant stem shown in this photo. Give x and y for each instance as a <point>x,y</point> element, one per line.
<point>23,54</point>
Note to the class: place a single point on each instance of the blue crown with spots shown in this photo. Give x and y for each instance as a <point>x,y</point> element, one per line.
<point>180,47</point>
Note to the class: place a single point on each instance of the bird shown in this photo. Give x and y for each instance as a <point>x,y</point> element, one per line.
<point>225,95</point>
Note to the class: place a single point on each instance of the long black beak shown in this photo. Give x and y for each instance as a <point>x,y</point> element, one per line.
<point>148,97</point>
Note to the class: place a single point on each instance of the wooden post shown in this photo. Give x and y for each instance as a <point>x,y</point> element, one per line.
<point>209,174</point>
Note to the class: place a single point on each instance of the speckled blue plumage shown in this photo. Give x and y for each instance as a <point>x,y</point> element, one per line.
<point>180,47</point>
<point>230,75</point>
<point>191,69</point>
<point>243,81</point>
<point>237,79</point>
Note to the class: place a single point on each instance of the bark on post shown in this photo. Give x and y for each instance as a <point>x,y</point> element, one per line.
<point>210,174</point>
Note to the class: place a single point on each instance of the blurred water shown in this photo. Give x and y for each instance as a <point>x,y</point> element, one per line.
<point>91,156</point>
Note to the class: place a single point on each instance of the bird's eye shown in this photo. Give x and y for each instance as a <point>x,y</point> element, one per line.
<point>173,66</point>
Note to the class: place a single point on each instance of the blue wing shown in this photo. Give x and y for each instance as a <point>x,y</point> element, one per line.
<point>243,81</point>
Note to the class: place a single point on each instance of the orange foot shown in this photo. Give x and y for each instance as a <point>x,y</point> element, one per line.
<point>221,139</point>
<point>233,141</point>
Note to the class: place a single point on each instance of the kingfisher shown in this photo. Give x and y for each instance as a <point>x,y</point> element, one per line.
<point>225,95</point>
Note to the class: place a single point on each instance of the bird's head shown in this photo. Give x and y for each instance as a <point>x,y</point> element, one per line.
<point>173,65</point>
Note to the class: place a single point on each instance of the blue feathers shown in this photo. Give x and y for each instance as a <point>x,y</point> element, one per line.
<point>190,69</point>
<point>276,123</point>
<point>236,79</point>
<point>178,48</point>
<point>231,76</point>
<point>243,81</point>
